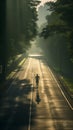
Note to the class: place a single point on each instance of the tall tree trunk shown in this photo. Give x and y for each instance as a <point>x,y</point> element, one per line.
<point>2,39</point>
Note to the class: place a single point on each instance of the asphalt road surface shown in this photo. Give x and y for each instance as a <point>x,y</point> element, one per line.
<point>28,107</point>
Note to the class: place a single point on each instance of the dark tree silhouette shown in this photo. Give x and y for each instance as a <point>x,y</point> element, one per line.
<point>63,10</point>
<point>17,28</point>
<point>2,39</point>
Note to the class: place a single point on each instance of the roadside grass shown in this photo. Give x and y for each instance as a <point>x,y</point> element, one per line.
<point>68,83</point>
<point>3,86</point>
<point>21,62</point>
<point>14,59</point>
<point>13,72</point>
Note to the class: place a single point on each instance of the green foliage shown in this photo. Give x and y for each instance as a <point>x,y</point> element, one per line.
<point>21,25</point>
<point>61,21</point>
<point>17,27</point>
<point>59,36</point>
<point>69,84</point>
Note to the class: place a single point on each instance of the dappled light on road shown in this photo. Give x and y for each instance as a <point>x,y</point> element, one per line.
<point>28,106</point>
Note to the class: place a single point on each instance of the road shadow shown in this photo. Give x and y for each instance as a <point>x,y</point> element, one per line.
<point>15,106</point>
<point>38,99</point>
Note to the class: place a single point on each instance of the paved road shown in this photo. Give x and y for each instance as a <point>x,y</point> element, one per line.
<point>26,107</point>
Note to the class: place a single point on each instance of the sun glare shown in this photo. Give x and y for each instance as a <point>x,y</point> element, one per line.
<point>43,2</point>
<point>35,50</point>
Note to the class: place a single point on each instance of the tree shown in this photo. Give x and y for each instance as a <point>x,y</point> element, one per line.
<point>17,28</point>
<point>2,39</point>
<point>21,24</point>
<point>63,10</point>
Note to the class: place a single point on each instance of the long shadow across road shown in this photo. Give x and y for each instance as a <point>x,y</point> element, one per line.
<point>15,106</point>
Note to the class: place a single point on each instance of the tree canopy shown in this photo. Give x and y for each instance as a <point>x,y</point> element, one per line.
<point>21,24</point>
<point>62,17</point>
<point>17,28</point>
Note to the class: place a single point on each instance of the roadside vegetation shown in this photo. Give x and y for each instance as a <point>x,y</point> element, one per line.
<point>69,84</point>
<point>57,39</point>
<point>17,28</point>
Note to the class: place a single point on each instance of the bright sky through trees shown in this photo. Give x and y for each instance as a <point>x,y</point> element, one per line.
<point>44,1</point>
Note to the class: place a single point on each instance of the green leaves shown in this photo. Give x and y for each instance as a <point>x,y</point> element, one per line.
<point>21,25</point>
<point>17,27</point>
<point>60,21</point>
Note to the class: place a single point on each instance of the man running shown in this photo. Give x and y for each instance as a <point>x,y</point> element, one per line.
<point>37,77</point>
